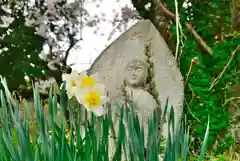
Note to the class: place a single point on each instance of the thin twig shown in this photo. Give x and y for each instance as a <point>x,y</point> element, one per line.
<point>193,62</point>
<point>189,27</point>
<point>177,29</point>
<point>182,45</point>
<point>189,103</point>
<point>230,99</point>
<point>72,44</point>
<point>216,80</point>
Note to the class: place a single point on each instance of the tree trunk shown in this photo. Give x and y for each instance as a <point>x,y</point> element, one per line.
<point>157,17</point>
<point>235,89</point>
<point>235,26</point>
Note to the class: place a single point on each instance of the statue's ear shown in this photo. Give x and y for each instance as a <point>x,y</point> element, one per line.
<point>124,83</point>
<point>146,86</point>
<point>145,81</point>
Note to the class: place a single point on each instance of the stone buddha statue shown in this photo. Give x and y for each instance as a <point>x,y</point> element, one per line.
<point>124,60</point>
<point>135,80</point>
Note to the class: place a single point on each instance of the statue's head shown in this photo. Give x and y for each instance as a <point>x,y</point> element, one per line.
<point>136,73</point>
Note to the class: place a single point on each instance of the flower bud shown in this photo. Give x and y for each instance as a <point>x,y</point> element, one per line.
<point>195,60</point>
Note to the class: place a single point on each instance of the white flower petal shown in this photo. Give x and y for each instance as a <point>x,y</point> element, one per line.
<point>74,73</point>
<point>81,98</point>
<point>72,76</point>
<point>83,74</point>
<point>61,87</point>
<point>70,94</point>
<point>98,110</point>
<point>86,107</point>
<point>81,91</point>
<point>68,85</point>
<point>100,88</point>
<point>65,76</point>
<point>104,100</point>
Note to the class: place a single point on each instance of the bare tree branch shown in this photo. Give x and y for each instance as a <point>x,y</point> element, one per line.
<point>190,28</point>
<point>216,80</point>
<point>161,17</point>
<point>235,15</point>
<point>72,43</point>
<point>157,17</point>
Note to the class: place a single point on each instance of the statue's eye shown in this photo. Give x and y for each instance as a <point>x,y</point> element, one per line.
<point>130,68</point>
<point>138,69</point>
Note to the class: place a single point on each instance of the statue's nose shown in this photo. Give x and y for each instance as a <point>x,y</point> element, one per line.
<point>134,74</point>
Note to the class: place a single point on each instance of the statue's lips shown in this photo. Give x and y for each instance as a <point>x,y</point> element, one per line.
<point>134,77</point>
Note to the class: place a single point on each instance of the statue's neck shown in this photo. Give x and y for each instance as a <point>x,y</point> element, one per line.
<point>134,87</point>
<point>134,92</point>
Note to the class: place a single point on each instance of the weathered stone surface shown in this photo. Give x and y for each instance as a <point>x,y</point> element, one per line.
<point>130,45</point>
<point>234,110</point>
<point>112,68</point>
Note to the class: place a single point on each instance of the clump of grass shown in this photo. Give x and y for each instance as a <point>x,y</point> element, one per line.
<point>55,140</point>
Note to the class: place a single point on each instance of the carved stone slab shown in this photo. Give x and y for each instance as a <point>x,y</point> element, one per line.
<point>130,45</point>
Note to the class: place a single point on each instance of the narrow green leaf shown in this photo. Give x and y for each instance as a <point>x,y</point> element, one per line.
<point>204,144</point>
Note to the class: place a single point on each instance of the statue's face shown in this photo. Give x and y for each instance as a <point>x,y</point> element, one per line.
<point>135,73</point>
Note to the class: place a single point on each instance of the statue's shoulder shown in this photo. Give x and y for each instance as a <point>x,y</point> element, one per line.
<point>146,95</point>
<point>146,100</point>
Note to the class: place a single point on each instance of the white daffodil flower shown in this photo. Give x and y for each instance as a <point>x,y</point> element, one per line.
<point>83,82</point>
<point>70,79</point>
<point>86,81</point>
<point>93,99</point>
<point>71,82</point>
<point>77,81</point>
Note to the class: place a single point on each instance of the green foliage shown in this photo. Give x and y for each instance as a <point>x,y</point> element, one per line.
<point>211,19</point>
<point>224,143</point>
<point>20,47</point>
<point>21,140</point>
